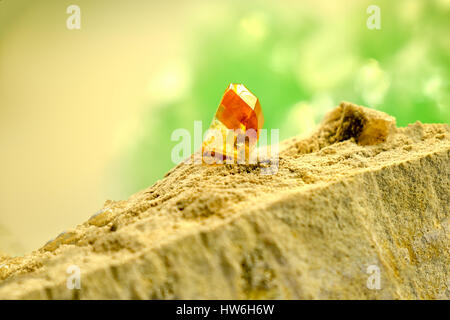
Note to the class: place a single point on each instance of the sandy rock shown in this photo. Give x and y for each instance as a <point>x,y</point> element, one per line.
<point>358,199</point>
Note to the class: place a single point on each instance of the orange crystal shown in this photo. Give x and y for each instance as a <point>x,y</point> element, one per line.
<point>240,113</point>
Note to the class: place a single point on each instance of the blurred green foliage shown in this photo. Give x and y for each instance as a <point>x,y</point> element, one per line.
<point>302,60</point>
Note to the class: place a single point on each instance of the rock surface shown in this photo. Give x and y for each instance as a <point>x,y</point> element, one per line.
<point>357,199</point>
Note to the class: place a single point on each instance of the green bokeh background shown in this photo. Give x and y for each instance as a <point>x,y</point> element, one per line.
<point>301,61</point>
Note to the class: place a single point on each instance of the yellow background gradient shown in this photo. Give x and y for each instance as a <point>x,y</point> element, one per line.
<point>69,102</point>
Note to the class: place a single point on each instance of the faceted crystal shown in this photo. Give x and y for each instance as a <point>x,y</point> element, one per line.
<point>235,128</point>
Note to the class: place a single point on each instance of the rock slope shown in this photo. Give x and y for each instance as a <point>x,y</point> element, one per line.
<point>359,200</point>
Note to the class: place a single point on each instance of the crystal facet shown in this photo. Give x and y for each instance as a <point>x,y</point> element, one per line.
<point>236,126</point>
